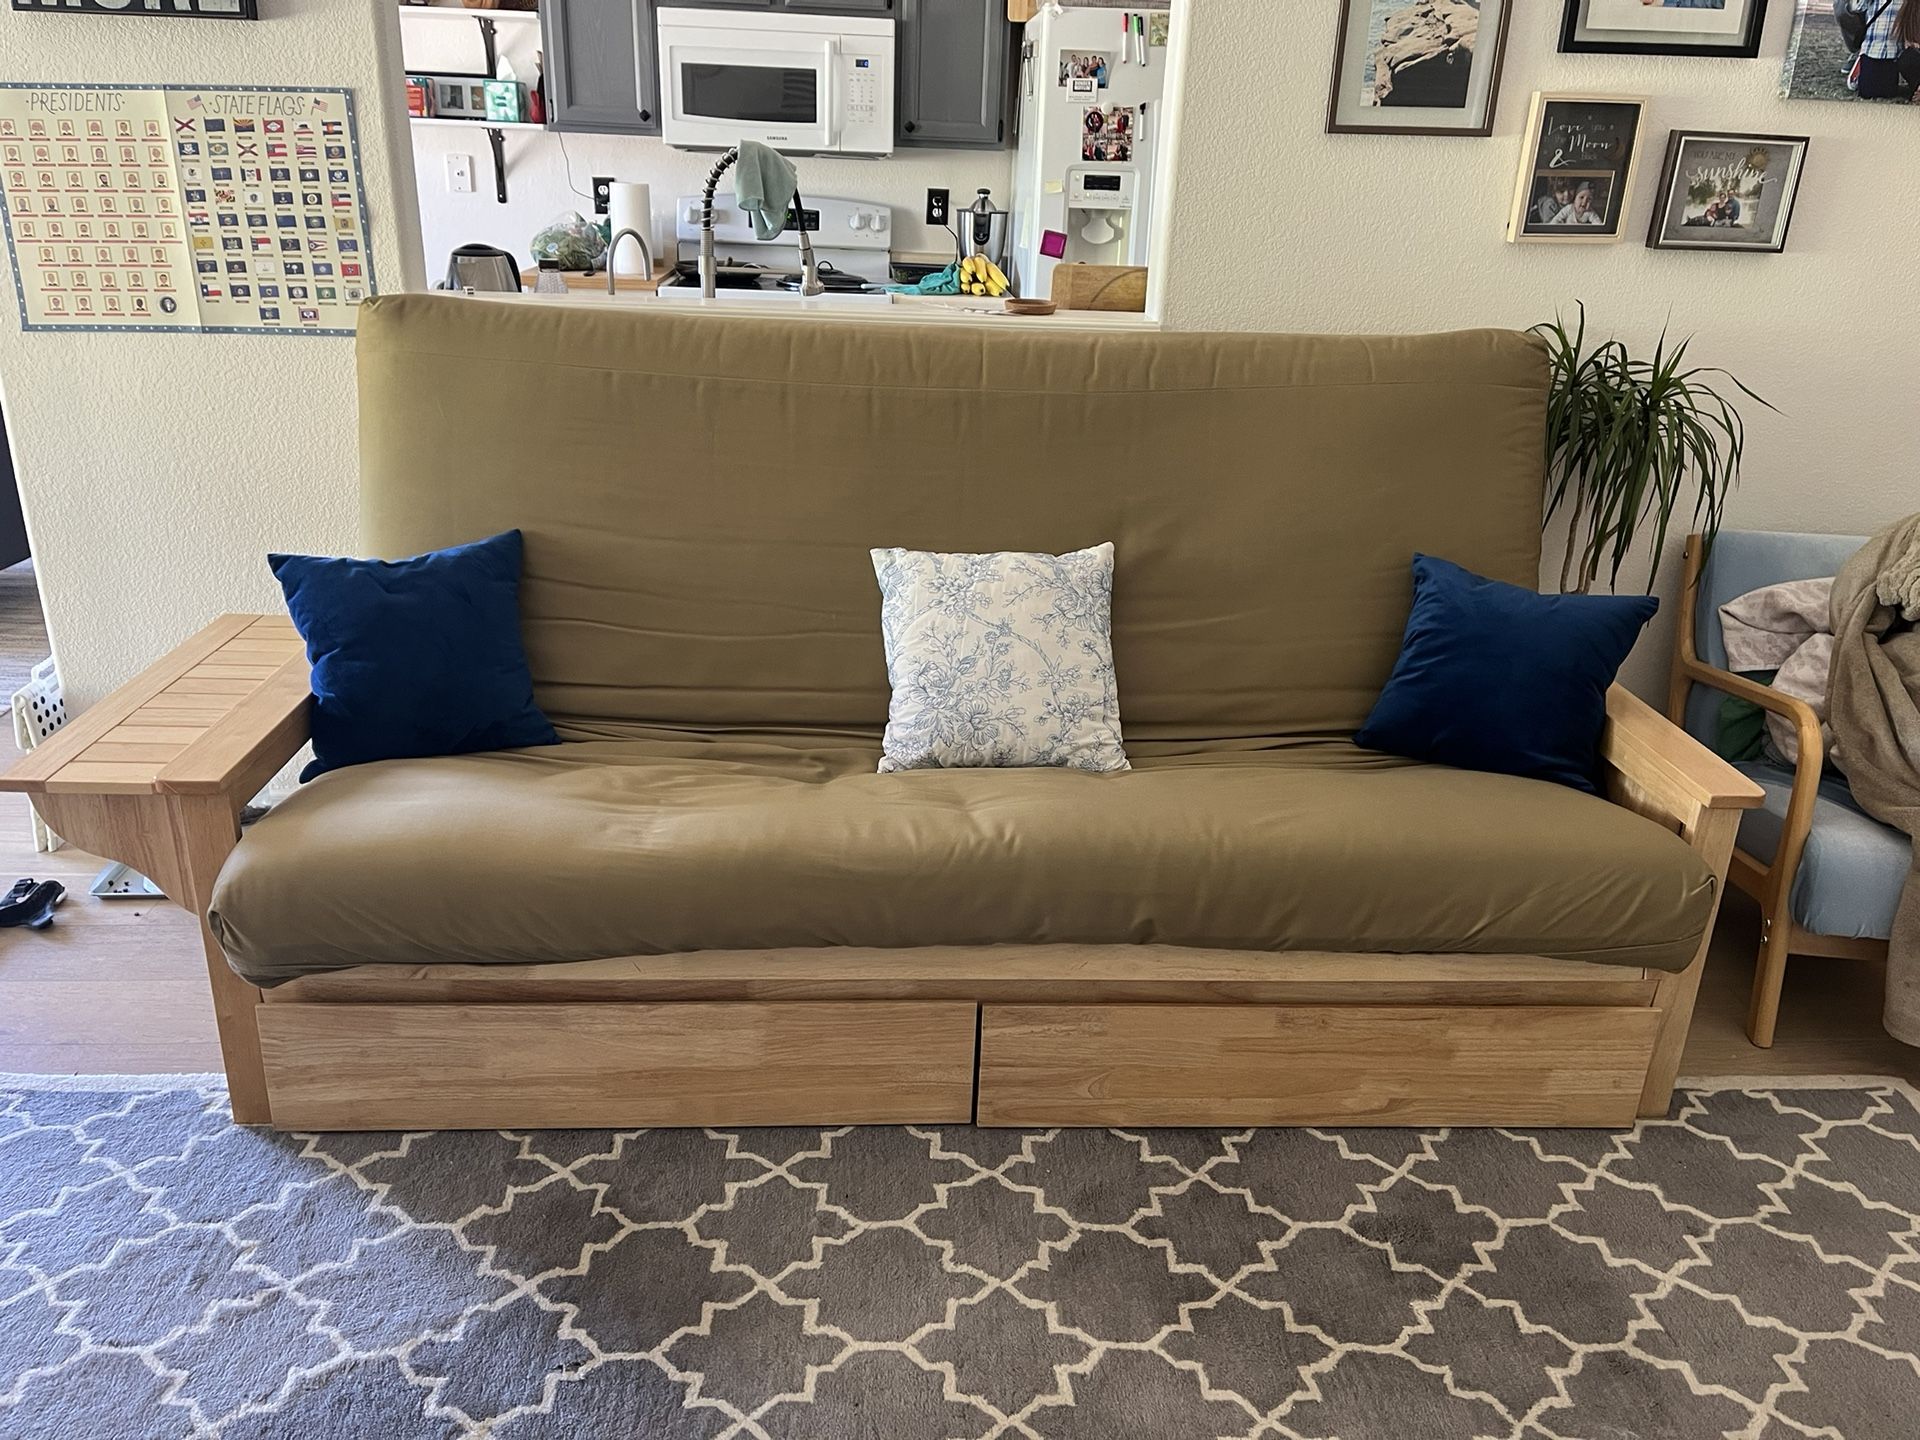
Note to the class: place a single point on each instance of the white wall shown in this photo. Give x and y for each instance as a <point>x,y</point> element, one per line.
<point>539,188</point>
<point>1280,226</point>
<point>157,470</point>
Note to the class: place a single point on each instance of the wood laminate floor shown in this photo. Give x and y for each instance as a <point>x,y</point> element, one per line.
<point>120,986</point>
<point>23,634</point>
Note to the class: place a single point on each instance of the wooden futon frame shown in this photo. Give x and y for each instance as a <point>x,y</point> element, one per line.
<point>156,774</point>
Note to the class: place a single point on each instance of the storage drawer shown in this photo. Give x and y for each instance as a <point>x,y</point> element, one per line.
<point>485,1067</point>
<point>1144,1065</point>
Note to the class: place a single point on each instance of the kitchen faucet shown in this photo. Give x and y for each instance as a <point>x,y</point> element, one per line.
<point>646,255</point>
<point>809,267</point>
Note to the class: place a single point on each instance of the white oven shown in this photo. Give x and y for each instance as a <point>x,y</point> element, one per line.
<point>804,84</point>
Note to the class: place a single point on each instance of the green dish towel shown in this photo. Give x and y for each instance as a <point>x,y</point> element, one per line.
<point>764,183</point>
<point>940,282</point>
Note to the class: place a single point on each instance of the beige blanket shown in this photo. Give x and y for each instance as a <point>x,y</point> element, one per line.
<point>1785,628</point>
<point>1874,707</point>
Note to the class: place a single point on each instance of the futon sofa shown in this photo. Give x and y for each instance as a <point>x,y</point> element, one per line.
<point>706,907</point>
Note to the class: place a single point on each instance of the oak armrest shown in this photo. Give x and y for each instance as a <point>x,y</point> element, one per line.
<point>1666,768</point>
<point>1807,724</point>
<point>220,714</point>
<point>1797,825</point>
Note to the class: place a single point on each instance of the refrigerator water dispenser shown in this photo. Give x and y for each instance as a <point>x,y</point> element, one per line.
<point>1100,201</point>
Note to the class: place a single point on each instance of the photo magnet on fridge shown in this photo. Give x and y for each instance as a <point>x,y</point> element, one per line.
<point>1078,66</point>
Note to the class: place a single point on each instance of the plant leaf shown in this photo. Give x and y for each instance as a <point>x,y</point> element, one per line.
<point>1629,442</point>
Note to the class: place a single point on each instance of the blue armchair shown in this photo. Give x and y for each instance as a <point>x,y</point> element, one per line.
<point>1826,875</point>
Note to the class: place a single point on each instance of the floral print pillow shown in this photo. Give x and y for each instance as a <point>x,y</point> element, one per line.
<point>999,660</point>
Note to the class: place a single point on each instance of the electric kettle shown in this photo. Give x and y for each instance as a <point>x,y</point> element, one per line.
<point>481,267</point>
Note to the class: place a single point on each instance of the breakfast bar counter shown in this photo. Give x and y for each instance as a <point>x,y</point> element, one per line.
<point>911,309</point>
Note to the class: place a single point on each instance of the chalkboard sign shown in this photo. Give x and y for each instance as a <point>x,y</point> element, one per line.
<point>186,9</point>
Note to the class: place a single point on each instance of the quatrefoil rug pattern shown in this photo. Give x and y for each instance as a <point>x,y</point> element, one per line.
<point>1748,1266</point>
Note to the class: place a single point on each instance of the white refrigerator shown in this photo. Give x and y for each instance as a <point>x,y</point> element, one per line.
<point>1091,85</point>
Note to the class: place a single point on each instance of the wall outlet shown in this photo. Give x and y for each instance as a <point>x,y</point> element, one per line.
<point>460,174</point>
<point>602,193</point>
<point>939,207</point>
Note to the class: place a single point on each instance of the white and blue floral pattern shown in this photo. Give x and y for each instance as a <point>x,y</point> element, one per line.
<point>1001,659</point>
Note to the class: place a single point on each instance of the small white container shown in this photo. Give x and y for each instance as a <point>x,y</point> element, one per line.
<point>630,207</point>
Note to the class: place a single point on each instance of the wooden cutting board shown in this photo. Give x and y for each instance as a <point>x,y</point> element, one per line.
<point>1100,287</point>
<point>597,279</point>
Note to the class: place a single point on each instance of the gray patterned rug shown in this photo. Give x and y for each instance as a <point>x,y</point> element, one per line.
<point>1748,1267</point>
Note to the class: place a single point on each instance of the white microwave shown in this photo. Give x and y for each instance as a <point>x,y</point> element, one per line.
<point>804,84</point>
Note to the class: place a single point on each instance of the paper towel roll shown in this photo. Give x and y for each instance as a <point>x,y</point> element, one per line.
<point>630,207</point>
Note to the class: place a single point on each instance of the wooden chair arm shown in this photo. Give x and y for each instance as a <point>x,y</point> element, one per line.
<point>219,715</point>
<point>1689,669</point>
<point>1667,766</point>
<point>1808,767</point>
<point>1806,724</point>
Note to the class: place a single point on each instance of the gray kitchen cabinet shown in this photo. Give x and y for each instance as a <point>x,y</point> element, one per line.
<point>601,76</point>
<point>956,84</point>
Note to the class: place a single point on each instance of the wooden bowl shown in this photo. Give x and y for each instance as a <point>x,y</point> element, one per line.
<point>1030,307</point>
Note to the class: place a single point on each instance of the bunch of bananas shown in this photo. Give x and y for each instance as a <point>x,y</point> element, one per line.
<point>980,276</point>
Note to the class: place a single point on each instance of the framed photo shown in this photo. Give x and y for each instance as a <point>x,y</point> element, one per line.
<point>1727,192</point>
<point>1825,60</point>
<point>1576,171</point>
<point>1400,69</point>
<point>1729,28</point>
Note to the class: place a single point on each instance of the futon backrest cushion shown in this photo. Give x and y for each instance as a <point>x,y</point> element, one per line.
<point>699,494</point>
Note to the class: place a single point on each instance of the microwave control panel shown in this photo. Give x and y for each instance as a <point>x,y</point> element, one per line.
<point>863,89</point>
<point>866,92</point>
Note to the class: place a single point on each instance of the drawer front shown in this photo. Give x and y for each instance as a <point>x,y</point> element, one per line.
<point>467,1067</point>
<point>1146,1065</point>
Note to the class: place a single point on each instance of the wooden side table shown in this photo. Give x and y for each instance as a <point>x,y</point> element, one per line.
<point>155,776</point>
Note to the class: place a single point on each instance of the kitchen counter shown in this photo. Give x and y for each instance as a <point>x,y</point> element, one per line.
<point>597,279</point>
<point>911,309</point>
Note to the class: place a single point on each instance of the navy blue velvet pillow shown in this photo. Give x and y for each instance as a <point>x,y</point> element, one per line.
<point>1494,677</point>
<point>414,657</point>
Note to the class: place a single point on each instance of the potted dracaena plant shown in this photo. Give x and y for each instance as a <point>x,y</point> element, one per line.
<point>1629,442</point>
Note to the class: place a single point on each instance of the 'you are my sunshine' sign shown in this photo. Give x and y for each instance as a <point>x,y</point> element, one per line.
<point>192,9</point>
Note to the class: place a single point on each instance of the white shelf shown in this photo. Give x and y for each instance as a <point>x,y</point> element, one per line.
<point>454,12</point>
<point>474,124</point>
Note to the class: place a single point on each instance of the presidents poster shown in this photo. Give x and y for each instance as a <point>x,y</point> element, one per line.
<point>218,209</point>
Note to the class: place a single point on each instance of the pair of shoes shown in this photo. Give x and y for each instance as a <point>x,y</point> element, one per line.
<point>31,903</point>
